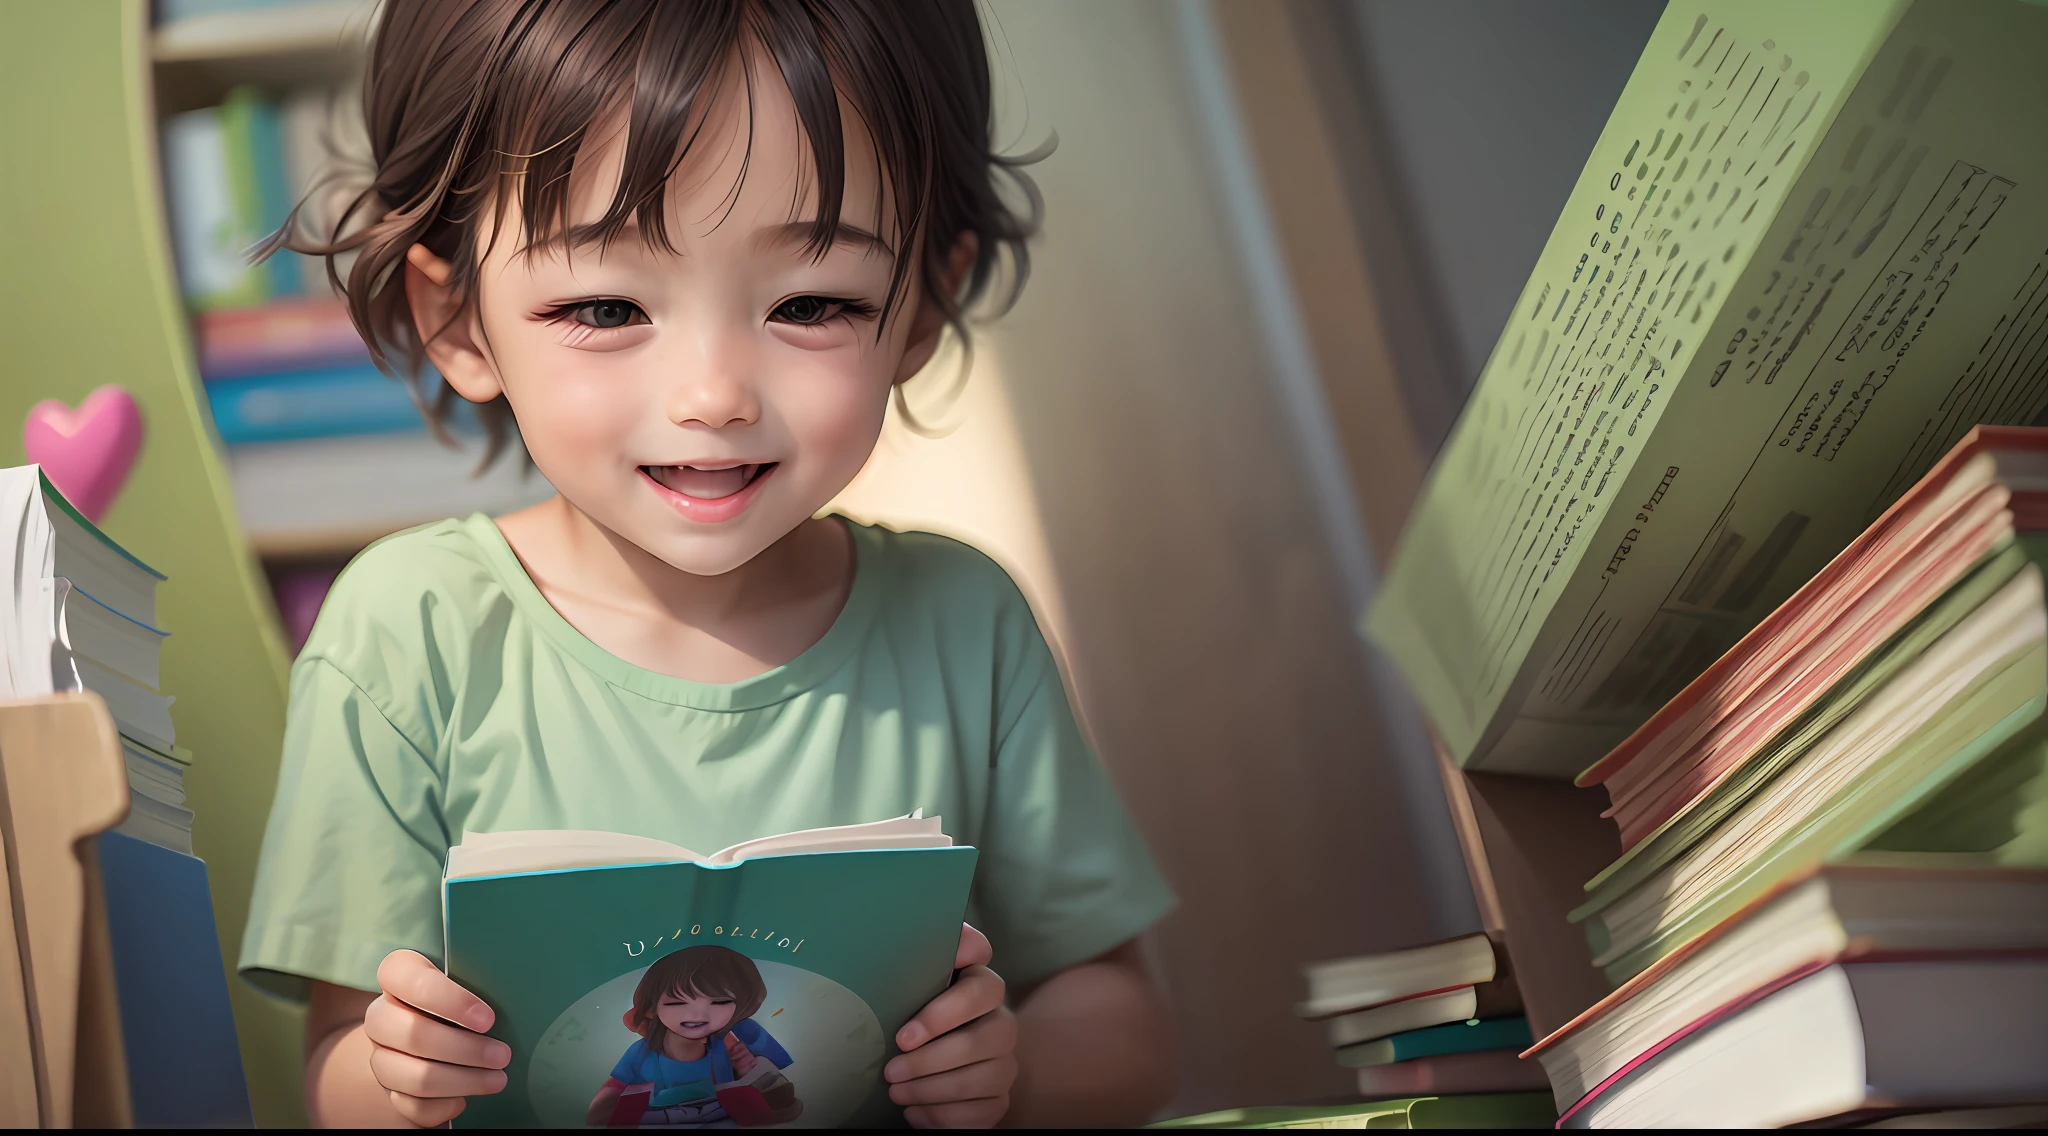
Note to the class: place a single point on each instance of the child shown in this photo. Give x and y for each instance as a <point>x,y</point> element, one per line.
<point>694,1011</point>
<point>688,250</point>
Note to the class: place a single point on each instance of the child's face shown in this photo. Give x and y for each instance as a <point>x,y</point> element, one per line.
<point>703,404</point>
<point>695,1016</point>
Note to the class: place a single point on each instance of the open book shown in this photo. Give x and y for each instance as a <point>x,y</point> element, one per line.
<point>1808,252</point>
<point>641,984</point>
<point>545,850</point>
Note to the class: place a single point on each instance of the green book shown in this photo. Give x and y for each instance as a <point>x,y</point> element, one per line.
<point>1937,752</point>
<point>640,984</point>
<point>1433,1041</point>
<point>1477,1110</point>
<point>1789,279</point>
<point>1698,821</point>
<point>245,120</point>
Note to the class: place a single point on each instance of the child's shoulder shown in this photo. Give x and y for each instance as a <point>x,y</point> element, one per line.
<point>935,569</point>
<point>429,585</point>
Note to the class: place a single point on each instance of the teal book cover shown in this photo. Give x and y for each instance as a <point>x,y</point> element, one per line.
<point>1435,1041</point>
<point>763,993</point>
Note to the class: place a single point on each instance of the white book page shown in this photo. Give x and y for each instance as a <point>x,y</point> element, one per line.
<point>913,831</point>
<point>504,853</point>
<point>546,850</point>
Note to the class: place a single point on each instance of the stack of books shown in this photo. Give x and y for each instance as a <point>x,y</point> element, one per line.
<point>1436,1020</point>
<point>79,613</point>
<point>1806,258</point>
<point>1831,901</point>
<point>82,616</point>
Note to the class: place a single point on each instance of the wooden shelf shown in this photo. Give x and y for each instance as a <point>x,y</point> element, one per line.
<point>275,49</point>
<point>328,497</point>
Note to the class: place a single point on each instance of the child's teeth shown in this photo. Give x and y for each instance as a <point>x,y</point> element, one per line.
<point>705,484</point>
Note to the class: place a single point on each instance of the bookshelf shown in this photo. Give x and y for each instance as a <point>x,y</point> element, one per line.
<point>307,506</point>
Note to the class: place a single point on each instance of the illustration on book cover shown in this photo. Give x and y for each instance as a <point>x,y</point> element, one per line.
<point>706,1037</point>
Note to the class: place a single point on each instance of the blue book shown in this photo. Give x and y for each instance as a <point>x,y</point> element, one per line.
<point>325,403</point>
<point>184,1064</point>
<point>286,276</point>
<point>1435,1041</point>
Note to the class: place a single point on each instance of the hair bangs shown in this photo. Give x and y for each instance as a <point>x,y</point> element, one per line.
<point>473,105</point>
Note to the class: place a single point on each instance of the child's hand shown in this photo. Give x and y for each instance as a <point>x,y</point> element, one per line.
<point>959,1052</point>
<point>742,1058</point>
<point>429,1066</point>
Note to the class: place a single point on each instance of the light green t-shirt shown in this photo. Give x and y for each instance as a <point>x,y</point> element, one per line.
<point>441,693</point>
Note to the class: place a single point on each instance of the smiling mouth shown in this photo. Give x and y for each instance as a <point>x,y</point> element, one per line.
<point>703,483</point>
<point>695,1025</point>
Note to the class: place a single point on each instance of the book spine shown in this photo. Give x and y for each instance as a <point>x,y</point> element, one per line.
<point>203,209</point>
<point>291,335</point>
<point>245,202</point>
<point>311,404</point>
<point>274,195</point>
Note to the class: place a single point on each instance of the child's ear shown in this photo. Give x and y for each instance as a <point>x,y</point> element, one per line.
<point>930,322</point>
<point>446,329</point>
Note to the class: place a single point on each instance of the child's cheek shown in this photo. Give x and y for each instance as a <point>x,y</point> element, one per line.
<point>578,411</point>
<point>837,408</point>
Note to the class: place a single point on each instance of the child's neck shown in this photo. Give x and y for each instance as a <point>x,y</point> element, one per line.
<point>716,629</point>
<point>683,1048</point>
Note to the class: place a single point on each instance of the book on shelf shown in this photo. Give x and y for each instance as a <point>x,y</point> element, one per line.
<point>225,180</point>
<point>328,402</point>
<point>1808,252</point>
<point>821,943</point>
<point>299,334</point>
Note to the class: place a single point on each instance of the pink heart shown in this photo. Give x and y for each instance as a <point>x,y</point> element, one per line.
<point>87,452</point>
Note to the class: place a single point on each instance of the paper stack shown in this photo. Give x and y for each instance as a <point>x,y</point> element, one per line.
<point>80,614</point>
<point>1830,904</point>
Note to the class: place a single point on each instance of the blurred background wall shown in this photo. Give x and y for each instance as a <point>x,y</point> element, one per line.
<point>1263,219</point>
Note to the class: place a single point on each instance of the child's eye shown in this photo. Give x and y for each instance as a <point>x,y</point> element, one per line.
<point>810,311</point>
<point>602,314</point>
<point>721,1001</point>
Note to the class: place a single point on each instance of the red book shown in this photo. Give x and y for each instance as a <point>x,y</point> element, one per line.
<point>286,335</point>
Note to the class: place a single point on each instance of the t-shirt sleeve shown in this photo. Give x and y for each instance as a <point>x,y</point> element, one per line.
<point>1064,874</point>
<point>627,1071</point>
<point>351,863</point>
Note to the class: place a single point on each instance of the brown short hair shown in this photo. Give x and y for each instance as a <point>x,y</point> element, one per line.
<point>463,97</point>
<point>706,971</point>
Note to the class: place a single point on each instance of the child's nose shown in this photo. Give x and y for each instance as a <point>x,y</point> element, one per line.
<point>715,386</point>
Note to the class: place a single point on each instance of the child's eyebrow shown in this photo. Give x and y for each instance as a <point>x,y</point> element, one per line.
<point>798,232</point>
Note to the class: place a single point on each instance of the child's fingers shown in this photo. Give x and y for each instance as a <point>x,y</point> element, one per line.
<point>418,1077</point>
<point>982,1080</point>
<point>975,991</point>
<point>428,1112</point>
<point>974,949</point>
<point>409,977</point>
<point>961,1114</point>
<point>395,1025</point>
<point>992,1035</point>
